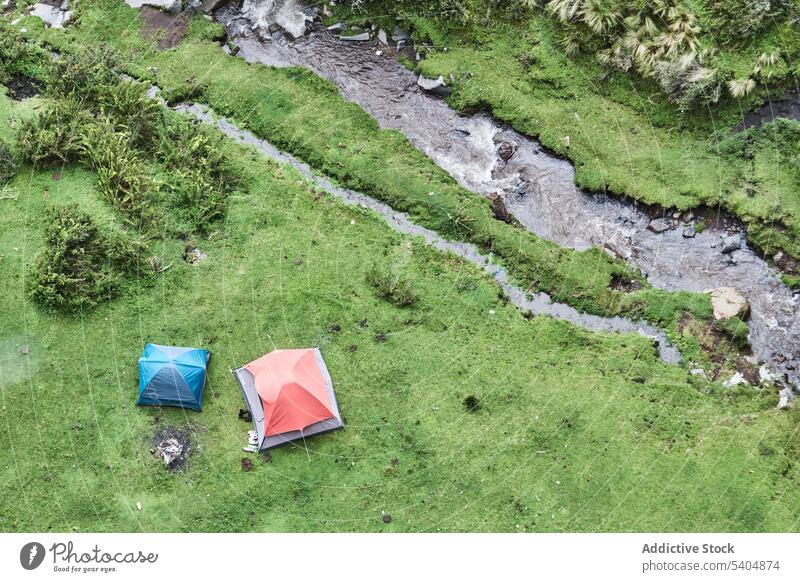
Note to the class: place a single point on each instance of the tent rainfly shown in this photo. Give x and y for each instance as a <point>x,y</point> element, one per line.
<point>290,396</point>
<point>171,376</point>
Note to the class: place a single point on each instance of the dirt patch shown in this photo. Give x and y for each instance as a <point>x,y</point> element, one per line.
<point>169,29</point>
<point>22,87</point>
<point>173,446</point>
<point>624,284</point>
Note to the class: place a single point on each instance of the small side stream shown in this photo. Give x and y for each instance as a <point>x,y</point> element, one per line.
<point>539,304</point>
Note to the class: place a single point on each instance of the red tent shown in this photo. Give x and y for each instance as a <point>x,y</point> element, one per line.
<point>290,396</point>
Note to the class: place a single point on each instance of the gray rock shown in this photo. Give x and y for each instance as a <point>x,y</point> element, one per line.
<point>659,225</point>
<point>731,243</point>
<point>689,231</point>
<point>337,28</point>
<point>382,38</point>
<point>399,34</point>
<point>785,397</point>
<point>505,150</point>
<point>357,36</point>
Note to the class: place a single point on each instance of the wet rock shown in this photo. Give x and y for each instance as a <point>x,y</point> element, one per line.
<point>659,225</point>
<point>521,188</point>
<point>436,86</point>
<point>54,16</point>
<point>357,35</point>
<point>689,231</point>
<point>273,28</point>
<point>400,36</point>
<point>728,302</point>
<point>500,210</point>
<point>209,6</point>
<point>731,243</point>
<point>21,87</point>
<point>505,150</point>
<point>785,397</point>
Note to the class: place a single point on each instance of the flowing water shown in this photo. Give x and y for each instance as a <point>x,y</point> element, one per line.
<point>538,188</point>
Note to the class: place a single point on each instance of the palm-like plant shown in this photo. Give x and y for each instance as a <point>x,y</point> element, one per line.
<point>741,87</point>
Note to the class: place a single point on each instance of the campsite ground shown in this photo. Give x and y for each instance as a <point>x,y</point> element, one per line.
<point>574,431</point>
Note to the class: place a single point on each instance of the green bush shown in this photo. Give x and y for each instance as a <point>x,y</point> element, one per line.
<point>54,136</point>
<point>84,75</point>
<point>734,21</point>
<point>391,287</point>
<point>80,265</point>
<point>18,55</point>
<point>121,173</point>
<point>127,104</point>
<point>9,164</point>
<point>201,175</point>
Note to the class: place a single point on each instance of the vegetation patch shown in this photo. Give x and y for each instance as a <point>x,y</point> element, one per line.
<point>81,265</point>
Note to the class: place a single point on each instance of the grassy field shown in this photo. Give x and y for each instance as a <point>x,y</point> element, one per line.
<point>575,431</point>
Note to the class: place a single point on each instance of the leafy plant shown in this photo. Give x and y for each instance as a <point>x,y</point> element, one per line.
<point>201,175</point>
<point>80,265</point>
<point>122,177</point>
<point>54,136</point>
<point>84,75</point>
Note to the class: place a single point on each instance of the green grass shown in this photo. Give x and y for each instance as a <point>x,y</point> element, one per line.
<point>576,431</point>
<point>306,116</point>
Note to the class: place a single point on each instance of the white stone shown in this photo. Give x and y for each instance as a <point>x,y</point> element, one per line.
<point>786,397</point>
<point>735,380</point>
<point>171,6</point>
<point>728,302</point>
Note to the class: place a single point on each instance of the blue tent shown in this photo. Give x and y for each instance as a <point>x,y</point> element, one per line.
<point>170,376</point>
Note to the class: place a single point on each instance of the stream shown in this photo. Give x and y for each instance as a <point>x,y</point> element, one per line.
<point>538,188</point>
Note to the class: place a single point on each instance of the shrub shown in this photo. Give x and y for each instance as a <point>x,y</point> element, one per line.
<point>18,55</point>
<point>9,164</point>
<point>122,177</point>
<point>84,75</point>
<point>127,104</point>
<point>391,287</point>
<point>737,20</point>
<point>54,136</point>
<point>201,175</point>
<point>80,265</point>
